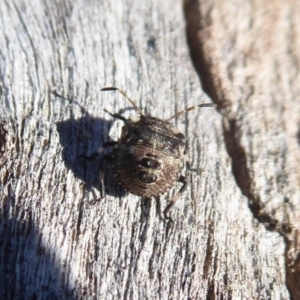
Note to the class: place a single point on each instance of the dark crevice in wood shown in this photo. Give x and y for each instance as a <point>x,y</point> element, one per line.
<point>243,178</point>
<point>230,126</point>
<point>200,63</point>
<point>3,133</point>
<point>193,27</point>
<point>234,148</point>
<point>244,182</point>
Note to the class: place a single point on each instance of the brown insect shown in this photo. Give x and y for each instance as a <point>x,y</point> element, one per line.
<point>148,158</point>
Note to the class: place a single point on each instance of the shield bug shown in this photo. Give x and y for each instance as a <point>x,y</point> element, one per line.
<point>148,158</point>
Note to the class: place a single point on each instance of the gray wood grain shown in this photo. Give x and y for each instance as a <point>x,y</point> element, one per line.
<point>57,242</point>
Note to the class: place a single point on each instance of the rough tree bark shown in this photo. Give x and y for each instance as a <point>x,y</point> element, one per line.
<point>236,229</point>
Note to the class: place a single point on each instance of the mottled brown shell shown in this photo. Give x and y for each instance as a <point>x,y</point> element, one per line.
<point>148,158</point>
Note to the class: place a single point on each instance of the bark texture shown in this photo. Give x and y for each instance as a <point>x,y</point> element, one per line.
<point>236,229</point>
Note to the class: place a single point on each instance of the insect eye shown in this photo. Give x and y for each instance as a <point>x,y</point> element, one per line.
<point>146,177</point>
<point>150,163</point>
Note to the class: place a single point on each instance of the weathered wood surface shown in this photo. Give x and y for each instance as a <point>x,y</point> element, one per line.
<point>236,229</point>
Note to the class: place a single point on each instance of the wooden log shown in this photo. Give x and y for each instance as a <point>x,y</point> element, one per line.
<point>235,231</point>
<point>251,67</point>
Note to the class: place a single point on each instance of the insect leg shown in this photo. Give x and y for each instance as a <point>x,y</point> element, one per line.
<point>158,208</point>
<point>107,158</point>
<point>183,180</point>
<point>116,116</point>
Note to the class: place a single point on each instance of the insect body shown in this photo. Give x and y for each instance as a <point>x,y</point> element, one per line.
<point>148,158</point>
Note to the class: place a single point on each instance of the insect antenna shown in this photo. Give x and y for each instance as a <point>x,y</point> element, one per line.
<point>189,109</point>
<point>112,88</point>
